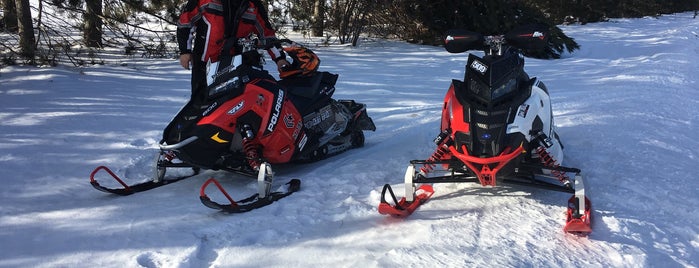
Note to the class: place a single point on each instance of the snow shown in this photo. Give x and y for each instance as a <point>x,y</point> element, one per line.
<point>625,106</point>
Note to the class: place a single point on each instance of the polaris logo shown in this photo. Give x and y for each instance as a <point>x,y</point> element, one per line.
<point>277,111</point>
<point>478,66</point>
<point>289,121</point>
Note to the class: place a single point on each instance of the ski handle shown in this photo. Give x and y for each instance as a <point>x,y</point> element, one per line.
<point>109,171</point>
<point>126,190</point>
<point>207,201</point>
<point>387,187</point>
<point>253,202</point>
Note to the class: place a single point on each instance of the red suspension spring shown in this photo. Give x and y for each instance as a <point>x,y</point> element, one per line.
<point>548,161</point>
<point>436,156</point>
<point>251,150</point>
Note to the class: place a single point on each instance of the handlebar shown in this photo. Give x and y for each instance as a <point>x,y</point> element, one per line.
<point>253,42</point>
<point>495,43</point>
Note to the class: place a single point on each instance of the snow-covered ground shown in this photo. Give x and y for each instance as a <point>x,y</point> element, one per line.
<point>626,107</point>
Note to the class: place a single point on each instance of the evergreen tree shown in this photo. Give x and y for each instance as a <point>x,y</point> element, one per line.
<point>486,17</point>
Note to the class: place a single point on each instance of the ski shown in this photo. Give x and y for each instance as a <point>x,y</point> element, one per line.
<point>578,214</point>
<point>260,199</point>
<point>404,208</point>
<point>410,202</point>
<point>134,188</point>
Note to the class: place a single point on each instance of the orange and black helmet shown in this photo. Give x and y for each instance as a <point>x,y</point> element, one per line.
<point>304,62</point>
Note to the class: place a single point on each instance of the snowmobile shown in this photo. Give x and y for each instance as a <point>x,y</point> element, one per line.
<point>496,127</point>
<point>251,121</point>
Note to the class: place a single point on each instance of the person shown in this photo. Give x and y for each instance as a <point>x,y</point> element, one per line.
<point>205,27</point>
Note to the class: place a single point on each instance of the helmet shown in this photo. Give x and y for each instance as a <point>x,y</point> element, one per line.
<point>304,62</point>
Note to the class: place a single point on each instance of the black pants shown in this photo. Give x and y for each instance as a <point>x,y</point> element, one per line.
<point>199,93</point>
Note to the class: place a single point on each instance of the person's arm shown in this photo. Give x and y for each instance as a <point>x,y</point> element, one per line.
<point>185,31</point>
<point>264,29</point>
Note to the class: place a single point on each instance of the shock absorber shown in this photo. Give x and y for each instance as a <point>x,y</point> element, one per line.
<point>442,142</point>
<point>251,147</point>
<point>548,161</point>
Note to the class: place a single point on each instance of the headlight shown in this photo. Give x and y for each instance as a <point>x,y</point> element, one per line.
<point>505,88</point>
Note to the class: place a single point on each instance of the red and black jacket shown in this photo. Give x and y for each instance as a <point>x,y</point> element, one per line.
<point>212,21</point>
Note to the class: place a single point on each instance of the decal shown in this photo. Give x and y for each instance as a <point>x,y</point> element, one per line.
<point>538,34</point>
<point>218,139</point>
<point>452,38</point>
<point>302,142</point>
<point>284,150</point>
<point>313,121</point>
<point>318,117</point>
<point>210,109</point>
<point>299,125</point>
<point>523,110</point>
<point>327,90</point>
<point>237,107</point>
<point>478,66</point>
<point>277,111</point>
<point>535,34</point>
<point>325,114</point>
<point>289,121</point>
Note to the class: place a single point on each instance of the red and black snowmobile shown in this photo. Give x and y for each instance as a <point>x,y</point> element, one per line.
<point>497,127</point>
<point>250,121</point>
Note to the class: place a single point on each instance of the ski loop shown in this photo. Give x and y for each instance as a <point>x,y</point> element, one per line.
<point>109,171</point>
<point>134,188</point>
<point>404,208</point>
<point>393,196</point>
<point>252,202</point>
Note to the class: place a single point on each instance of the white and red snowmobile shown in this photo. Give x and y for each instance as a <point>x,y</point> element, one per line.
<point>250,121</point>
<point>497,127</point>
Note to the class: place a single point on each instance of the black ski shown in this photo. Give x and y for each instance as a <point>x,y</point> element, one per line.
<point>253,202</point>
<point>135,188</point>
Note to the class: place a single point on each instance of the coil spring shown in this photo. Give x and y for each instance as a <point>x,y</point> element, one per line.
<point>250,148</point>
<point>169,155</point>
<point>548,161</point>
<point>436,156</point>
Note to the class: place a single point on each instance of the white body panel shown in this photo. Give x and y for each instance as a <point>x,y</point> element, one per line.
<point>538,105</point>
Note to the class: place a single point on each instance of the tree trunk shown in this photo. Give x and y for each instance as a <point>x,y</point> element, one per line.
<point>92,33</point>
<point>318,18</point>
<point>26,30</point>
<point>9,20</point>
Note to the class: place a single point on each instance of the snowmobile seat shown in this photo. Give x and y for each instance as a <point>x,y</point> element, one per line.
<point>310,93</point>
